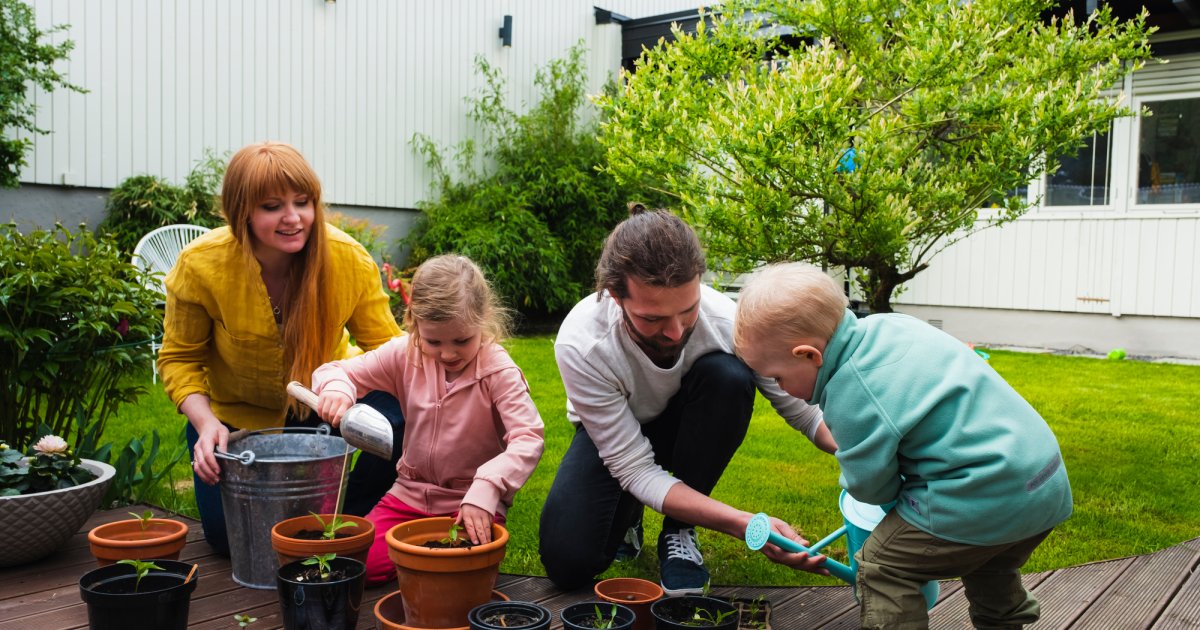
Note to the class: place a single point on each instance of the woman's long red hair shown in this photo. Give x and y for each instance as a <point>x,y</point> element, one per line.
<point>254,173</point>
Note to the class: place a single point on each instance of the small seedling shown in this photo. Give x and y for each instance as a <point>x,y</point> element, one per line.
<point>244,620</point>
<point>330,529</point>
<point>142,568</point>
<point>453,538</point>
<point>322,563</point>
<point>705,617</point>
<point>144,517</point>
<point>600,620</point>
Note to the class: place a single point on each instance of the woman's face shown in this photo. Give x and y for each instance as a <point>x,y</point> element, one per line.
<point>282,222</point>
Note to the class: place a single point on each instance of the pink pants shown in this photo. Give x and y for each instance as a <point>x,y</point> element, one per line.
<point>388,513</point>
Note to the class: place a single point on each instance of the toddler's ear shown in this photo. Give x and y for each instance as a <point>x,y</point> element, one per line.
<point>805,351</point>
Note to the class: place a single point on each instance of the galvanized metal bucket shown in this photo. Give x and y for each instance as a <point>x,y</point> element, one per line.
<point>269,477</point>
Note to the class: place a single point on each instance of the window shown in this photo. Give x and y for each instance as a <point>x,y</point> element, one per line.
<point>1168,165</point>
<point>1083,179</point>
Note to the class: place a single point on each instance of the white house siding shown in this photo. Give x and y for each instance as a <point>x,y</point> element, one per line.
<point>349,83</point>
<point>1090,278</point>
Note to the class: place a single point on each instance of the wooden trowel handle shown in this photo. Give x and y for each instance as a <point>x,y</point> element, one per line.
<point>303,394</point>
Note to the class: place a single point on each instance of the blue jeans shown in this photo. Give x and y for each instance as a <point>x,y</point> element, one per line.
<point>586,513</point>
<point>369,480</point>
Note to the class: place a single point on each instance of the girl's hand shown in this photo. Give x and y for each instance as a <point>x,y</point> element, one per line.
<point>332,405</point>
<point>477,521</point>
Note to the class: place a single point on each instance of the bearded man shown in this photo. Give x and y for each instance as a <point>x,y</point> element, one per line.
<point>660,404</point>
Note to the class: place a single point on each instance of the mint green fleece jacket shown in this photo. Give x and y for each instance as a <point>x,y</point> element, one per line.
<point>920,418</point>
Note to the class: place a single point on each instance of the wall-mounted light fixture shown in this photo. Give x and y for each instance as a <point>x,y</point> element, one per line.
<point>506,31</point>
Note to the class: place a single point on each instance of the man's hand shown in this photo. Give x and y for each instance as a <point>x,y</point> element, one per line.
<point>801,561</point>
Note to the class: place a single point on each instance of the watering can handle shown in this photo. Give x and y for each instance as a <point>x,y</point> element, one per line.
<point>303,394</point>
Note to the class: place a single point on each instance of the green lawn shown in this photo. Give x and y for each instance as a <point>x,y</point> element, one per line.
<point>1127,429</point>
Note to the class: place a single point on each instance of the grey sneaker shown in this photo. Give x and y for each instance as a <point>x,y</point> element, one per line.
<point>681,567</point>
<point>631,546</point>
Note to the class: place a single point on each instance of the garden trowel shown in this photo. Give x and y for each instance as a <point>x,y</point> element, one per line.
<point>362,425</point>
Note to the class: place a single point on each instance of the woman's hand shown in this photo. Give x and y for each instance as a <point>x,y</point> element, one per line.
<point>477,521</point>
<point>332,405</point>
<point>213,436</point>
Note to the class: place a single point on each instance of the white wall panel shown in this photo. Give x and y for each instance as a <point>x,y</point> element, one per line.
<point>349,83</point>
<point>1124,265</point>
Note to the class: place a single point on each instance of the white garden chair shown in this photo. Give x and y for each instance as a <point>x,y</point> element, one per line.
<point>157,252</point>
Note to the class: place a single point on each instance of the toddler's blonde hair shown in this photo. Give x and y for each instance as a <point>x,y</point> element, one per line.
<point>789,301</point>
<point>452,287</point>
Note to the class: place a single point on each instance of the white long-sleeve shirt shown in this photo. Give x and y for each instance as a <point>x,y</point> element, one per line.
<point>613,387</point>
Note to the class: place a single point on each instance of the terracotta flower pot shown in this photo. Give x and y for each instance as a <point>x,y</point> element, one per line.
<point>389,612</point>
<point>635,593</point>
<point>439,587</point>
<point>355,543</point>
<point>129,540</point>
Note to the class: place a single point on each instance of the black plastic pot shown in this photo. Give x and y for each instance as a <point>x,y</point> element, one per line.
<point>160,601</point>
<point>331,605</point>
<point>577,616</point>
<point>519,615</point>
<point>672,612</point>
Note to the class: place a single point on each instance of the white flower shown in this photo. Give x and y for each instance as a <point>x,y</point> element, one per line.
<point>51,444</point>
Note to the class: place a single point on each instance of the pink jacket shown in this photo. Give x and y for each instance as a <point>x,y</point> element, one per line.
<point>477,443</point>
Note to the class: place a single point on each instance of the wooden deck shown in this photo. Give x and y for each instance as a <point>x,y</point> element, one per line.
<point>1160,590</point>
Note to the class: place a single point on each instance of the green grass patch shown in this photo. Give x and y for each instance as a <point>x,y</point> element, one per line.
<point>1127,429</point>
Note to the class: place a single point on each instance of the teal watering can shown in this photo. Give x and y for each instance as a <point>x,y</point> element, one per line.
<point>859,520</point>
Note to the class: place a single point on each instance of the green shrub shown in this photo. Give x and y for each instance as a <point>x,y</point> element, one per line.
<point>145,202</point>
<point>535,216</point>
<point>369,235</point>
<point>75,318</point>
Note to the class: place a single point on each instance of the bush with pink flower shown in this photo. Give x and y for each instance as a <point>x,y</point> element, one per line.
<point>51,465</point>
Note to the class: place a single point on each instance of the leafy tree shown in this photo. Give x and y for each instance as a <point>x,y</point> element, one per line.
<point>529,205</point>
<point>26,59</point>
<point>948,105</point>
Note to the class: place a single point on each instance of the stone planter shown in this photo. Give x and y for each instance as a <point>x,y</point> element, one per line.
<point>36,525</point>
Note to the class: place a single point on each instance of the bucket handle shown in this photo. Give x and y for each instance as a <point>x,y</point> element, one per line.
<point>246,457</point>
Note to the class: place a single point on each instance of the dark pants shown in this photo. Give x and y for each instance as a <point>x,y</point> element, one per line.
<point>586,513</point>
<point>369,481</point>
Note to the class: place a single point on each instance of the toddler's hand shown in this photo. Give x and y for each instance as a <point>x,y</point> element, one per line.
<point>478,523</point>
<point>332,405</point>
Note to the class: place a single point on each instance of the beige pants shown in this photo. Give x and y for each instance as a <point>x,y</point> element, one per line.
<point>897,558</point>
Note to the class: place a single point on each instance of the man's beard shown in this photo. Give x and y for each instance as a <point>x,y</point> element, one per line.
<point>660,349</point>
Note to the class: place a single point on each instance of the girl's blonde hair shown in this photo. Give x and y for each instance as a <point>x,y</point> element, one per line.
<point>788,301</point>
<point>256,172</point>
<point>453,288</point>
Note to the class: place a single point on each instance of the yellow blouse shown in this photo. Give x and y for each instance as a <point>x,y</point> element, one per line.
<point>220,337</point>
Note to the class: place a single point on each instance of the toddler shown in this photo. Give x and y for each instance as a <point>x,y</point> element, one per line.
<point>921,420</point>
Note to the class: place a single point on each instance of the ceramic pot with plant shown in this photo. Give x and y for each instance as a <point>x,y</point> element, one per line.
<point>590,615</point>
<point>319,534</point>
<point>322,591</point>
<point>694,611</point>
<point>441,576</point>
<point>635,593</point>
<point>140,538</point>
<point>45,498</point>
<point>135,593</point>
<point>514,615</point>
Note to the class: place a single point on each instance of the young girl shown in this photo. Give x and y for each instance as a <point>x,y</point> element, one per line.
<point>472,435</point>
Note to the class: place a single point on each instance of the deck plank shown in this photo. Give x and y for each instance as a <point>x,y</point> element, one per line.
<point>1160,590</point>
